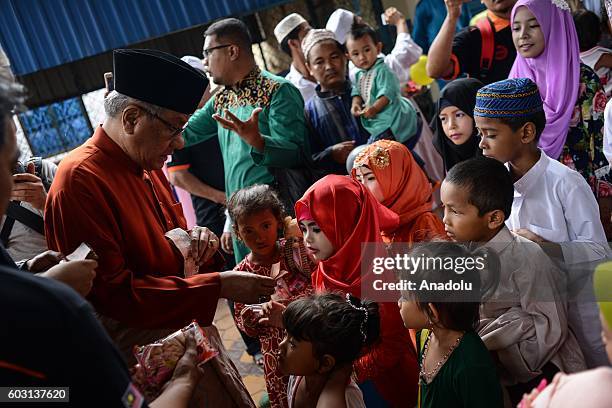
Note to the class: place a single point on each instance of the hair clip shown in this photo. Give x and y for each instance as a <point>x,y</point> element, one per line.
<point>364,323</point>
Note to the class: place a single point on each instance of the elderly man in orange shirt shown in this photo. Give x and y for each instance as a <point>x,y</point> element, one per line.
<point>111,194</point>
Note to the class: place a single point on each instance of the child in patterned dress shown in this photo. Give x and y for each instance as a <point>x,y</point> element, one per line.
<point>257,214</point>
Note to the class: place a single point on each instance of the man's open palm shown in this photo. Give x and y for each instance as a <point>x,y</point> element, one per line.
<point>248,130</point>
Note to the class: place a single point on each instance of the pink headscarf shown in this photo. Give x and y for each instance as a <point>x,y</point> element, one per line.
<point>556,71</point>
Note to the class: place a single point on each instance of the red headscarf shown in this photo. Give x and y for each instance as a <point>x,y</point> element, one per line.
<point>348,215</point>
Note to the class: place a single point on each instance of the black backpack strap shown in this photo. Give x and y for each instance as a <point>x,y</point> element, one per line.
<point>26,217</point>
<point>6,230</point>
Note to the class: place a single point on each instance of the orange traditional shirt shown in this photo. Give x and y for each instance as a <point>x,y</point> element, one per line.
<point>101,197</point>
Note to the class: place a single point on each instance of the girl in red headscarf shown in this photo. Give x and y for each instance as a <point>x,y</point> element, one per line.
<point>337,215</point>
<point>389,171</point>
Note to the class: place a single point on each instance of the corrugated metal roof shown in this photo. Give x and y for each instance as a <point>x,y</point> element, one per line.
<point>40,34</point>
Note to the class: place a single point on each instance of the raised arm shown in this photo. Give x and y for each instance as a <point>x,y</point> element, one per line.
<point>439,63</point>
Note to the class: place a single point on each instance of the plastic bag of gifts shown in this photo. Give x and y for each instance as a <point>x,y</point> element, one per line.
<point>156,361</point>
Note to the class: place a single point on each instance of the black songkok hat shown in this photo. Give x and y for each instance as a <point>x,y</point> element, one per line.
<point>158,78</point>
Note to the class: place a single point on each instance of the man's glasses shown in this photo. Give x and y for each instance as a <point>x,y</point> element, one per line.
<point>206,52</point>
<point>174,130</point>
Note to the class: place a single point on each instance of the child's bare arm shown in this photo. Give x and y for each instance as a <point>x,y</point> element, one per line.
<point>376,107</point>
<point>356,105</point>
<point>272,314</point>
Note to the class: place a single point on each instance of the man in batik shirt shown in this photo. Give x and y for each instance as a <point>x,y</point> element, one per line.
<point>258,117</point>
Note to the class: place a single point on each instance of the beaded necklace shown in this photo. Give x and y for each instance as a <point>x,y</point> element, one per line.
<point>426,377</point>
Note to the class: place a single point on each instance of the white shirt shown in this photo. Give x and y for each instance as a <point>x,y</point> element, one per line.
<point>590,58</point>
<point>607,138</point>
<point>305,86</point>
<point>556,203</point>
<point>405,53</point>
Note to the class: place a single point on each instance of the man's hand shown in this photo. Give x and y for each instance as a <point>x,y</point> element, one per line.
<point>244,287</point>
<point>204,244</point>
<point>44,261</point>
<point>78,275</point>
<point>248,131</point>
<point>219,197</point>
<point>340,151</point>
<point>525,233</point>
<point>453,8</point>
<point>186,369</point>
<point>272,314</point>
<point>30,189</point>
<point>178,391</point>
<point>394,16</point>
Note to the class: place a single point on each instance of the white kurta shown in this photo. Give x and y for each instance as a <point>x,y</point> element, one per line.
<point>556,203</point>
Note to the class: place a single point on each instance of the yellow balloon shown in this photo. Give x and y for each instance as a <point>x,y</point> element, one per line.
<point>418,72</point>
<point>602,280</point>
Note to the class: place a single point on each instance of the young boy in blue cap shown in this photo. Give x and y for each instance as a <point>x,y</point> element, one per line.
<point>553,205</point>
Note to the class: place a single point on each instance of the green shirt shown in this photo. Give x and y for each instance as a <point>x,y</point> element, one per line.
<point>281,123</point>
<point>468,379</point>
<point>398,115</point>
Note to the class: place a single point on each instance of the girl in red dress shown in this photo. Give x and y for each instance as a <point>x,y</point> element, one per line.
<point>257,215</point>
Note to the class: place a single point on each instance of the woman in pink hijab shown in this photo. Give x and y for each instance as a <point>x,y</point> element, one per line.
<point>548,53</point>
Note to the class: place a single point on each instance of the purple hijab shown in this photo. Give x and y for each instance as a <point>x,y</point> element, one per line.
<point>556,71</point>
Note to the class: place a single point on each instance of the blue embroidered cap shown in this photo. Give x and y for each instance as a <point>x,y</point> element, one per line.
<point>508,98</point>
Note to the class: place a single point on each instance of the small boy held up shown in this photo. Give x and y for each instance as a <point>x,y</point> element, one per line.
<point>376,93</point>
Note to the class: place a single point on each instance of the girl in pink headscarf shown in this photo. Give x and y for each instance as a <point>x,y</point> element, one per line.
<point>548,53</point>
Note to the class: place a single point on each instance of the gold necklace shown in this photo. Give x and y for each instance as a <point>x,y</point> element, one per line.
<point>426,377</point>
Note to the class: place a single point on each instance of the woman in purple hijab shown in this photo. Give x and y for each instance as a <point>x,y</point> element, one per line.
<point>548,53</point>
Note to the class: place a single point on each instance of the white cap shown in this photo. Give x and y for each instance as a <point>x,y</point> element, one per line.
<point>195,62</point>
<point>314,37</point>
<point>287,25</point>
<point>340,23</point>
